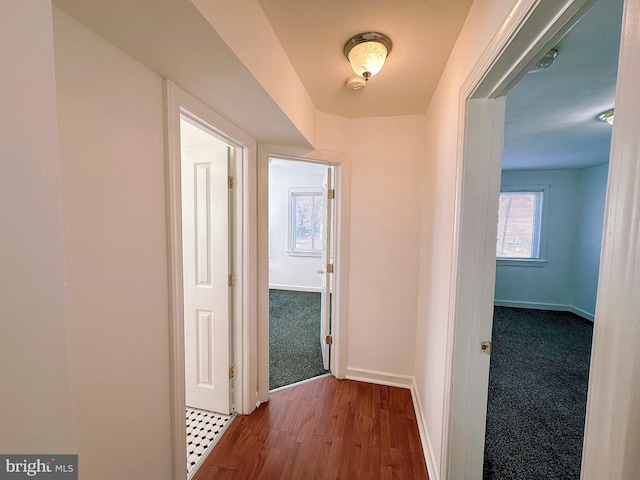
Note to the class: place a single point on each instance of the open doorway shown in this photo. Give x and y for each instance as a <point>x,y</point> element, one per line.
<point>206,280</point>
<point>528,33</point>
<point>209,253</point>
<point>301,235</point>
<point>550,221</point>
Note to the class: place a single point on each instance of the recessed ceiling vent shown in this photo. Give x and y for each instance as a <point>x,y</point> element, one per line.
<point>545,62</point>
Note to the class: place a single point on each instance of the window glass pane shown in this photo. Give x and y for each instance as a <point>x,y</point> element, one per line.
<point>307,222</point>
<point>317,223</point>
<point>518,224</point>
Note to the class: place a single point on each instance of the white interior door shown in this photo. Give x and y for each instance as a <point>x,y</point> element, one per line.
<point>327,267</point>
<point>205,243</point>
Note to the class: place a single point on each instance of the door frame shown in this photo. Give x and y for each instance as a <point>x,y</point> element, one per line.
<point>242,255</point>
<point>342,164</point>
<point>531,28</point>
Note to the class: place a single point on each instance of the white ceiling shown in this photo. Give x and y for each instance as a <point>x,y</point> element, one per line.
<point>552,114</point>
<point>313,34</point>
<point>174,40</point>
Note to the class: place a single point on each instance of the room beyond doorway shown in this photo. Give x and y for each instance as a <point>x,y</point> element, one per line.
<point>300,266</point>
<point>294,328</point>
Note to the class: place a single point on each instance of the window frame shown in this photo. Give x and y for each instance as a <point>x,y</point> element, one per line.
<point>291,227</point>
<point>540,223</point>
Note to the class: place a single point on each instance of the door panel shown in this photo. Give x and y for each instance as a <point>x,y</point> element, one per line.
<point>205,243</point>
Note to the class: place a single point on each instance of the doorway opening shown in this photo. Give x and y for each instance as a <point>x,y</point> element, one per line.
<point>301,235</point>
<point>550,222</point>
<point>530,31</point>
<point>208,162</point>
<point>206,286</point>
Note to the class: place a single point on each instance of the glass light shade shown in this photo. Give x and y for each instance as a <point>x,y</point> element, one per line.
<point>367,58</point>
<point>607,116</point>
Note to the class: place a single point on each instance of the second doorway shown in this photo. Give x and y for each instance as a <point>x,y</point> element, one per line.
<point>301,235</point>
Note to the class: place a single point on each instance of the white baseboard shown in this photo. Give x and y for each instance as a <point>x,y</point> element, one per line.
<point>533,305</point>
<point>295,288</point>
<point>381,378</point>
<point>545,306</point>
<point>427,446</point>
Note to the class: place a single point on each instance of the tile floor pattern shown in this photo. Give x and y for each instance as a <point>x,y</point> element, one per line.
<point>203,431</point>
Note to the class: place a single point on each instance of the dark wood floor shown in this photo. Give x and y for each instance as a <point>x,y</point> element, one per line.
<point>323,429</point>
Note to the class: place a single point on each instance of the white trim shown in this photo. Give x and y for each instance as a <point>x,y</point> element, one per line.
<point>523,262</point>
<point>381,378</point>
<point>294,288</point>
<point>532,305</point>
<point>342,164</point>
<point>612,431</point>
<point>558,307</point>
<point>582,313</point>
<point>178,102</point>
<point>425,438</point>
<point>301,382</point>
<point>530,28</point>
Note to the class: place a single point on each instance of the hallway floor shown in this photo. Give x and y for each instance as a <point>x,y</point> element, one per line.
<point>325,428</point>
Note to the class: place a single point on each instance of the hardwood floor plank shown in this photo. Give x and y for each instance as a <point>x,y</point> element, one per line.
<point>325,429</point>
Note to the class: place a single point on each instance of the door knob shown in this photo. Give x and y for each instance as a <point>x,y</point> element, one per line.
<point>320,272</point>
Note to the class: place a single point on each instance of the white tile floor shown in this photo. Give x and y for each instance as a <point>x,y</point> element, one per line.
<point>204,429</point>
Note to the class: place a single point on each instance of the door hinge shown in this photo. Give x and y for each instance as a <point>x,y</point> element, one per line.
<point>328,340</point>
<point>231,372</point>
<point>331,194</point>
<point>230,182</point>
<point>329,267</point>
<point>232,279</point>
<point>485,347</point>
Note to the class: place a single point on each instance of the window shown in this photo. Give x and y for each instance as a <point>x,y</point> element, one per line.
<point>519,225</point>
<point>306,222</point>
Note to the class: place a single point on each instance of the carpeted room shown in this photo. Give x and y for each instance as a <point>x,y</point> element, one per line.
<point>296,247</point>
<point>548,267</point>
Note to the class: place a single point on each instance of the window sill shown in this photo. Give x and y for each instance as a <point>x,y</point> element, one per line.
<point>293,253</point>
<point>525,262</point>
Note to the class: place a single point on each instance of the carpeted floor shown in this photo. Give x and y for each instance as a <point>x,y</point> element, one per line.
<point>537,395</point>
<point>294,337</point>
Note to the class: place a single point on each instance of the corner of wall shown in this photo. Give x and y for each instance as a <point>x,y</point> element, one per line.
<point>425,438</point>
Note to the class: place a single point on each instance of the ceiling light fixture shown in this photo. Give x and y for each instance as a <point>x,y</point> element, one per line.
<point>545,62</point>
<point>607,116</point>
<point>367,53</point>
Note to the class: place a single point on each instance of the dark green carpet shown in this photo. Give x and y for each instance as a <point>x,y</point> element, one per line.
<point>537,395</point>
<point>294,337</point>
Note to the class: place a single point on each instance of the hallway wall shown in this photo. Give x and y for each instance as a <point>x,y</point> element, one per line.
<point>438,216</point>
<point>112,154</point>
<point>35,375</point>
<point>386,153</point>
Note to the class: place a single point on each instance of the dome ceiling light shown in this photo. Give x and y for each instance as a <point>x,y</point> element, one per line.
<point>367,53</point>
<point>545,62</point>
<point>607,116</point>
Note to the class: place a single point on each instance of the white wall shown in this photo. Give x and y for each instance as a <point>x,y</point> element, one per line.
<point>112,154</point>
<point>551,284</point>
<point>35,378</point>
<point>438,183</point>
<point>290,272</point>
<point>386,153</point>
<point>593,187</point>
<point>570,243</point>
